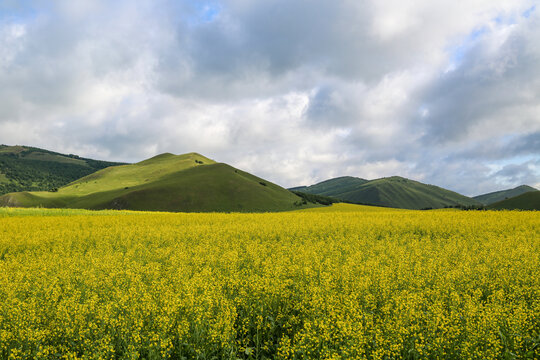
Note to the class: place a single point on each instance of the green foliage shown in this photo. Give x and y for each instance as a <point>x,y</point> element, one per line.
<point>315,199</point>
<point>332,187</point>
<point>33,169</point>
<point>493,197</point>
<point>527,201</point>
<point>166,183</point>
<point>393,191</point>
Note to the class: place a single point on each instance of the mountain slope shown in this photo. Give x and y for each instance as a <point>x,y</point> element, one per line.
<point>167,182</point>
<point>333,187</point>
<point>526,201</point>
<point>396,192</point>
<point>497,196</point>
<point>24,168</point>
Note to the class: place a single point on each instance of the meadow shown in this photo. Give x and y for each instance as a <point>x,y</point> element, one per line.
<point>341,282</point>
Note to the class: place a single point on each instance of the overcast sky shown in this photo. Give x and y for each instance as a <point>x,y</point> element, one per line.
<point>446,92</point>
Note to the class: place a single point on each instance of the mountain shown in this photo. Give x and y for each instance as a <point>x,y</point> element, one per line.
<point>526,201</point>
<point>395,191</point>
<point>24,168</point>
<point>316,199</point>
<point>333,187</point>
<point>497,196</point>
<point>166,182</point>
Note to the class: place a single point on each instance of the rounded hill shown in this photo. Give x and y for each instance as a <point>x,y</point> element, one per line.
<point>166,182</point>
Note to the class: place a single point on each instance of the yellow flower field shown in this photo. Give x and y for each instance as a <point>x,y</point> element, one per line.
<point>334,283</point>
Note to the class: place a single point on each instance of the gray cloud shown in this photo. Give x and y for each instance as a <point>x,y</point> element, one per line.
<point>493,92</point>
<point>497,148</point>
<point>519,173</point>
<point>296,92</point>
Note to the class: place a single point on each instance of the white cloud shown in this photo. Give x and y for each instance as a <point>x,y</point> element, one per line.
<point>296,92</point>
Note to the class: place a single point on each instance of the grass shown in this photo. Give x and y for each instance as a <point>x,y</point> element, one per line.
<point>393,191</point>
<point>120,177</point>
<point>333,187</point>
<point>167,182</point>
<point>25,168</point>
<point>493,197</point>
<point>315,199</point>
<point>4,149</point>
<point>55,158</point>
<point>526,201</point>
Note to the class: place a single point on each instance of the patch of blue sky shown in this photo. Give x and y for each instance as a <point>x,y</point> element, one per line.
<point>513,19</point>
<point>507,140</point>
<point>499,20</point>
<point>205,12</point>
<point>209,12</point>
<point>527,13</point>
<point>18,11</point>
<point>423,111</point>
<point>457,53</point>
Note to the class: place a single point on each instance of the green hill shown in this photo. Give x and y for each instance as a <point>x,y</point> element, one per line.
<point>526,201</point>
<point>24,168</point>
<point>316,199</point>
<point>396,192</point>
<point>497,196</point>
<point>333,187</point>
<point>167,182</point>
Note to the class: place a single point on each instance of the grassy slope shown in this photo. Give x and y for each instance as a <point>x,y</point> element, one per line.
<point>119,177</point>
<point>497,196</point>
<point>333,187</point>
<point>394,192</point>
<point>25,168</point>
<point>526,201</point>
<point>166,183</point>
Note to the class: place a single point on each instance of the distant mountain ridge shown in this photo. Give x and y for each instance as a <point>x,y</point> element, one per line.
<point>496,196</point>
<point>392,191</point>
<point>167,182</point>
<point>26,168</point>
<point>38,177</point>
<point>529,200</point>
<point>333,187</point>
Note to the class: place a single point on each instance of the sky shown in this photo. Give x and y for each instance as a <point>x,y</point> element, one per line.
<point>446,92</point>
